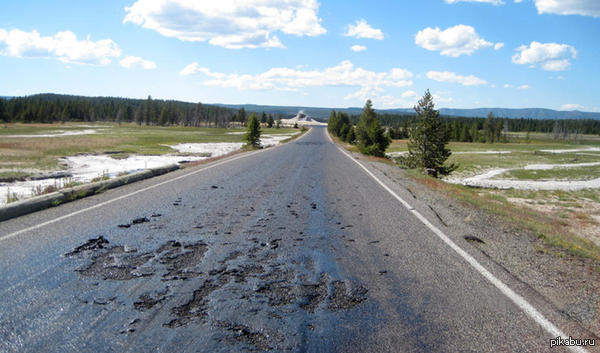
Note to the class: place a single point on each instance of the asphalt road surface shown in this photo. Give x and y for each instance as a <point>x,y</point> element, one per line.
<point>294,248</point>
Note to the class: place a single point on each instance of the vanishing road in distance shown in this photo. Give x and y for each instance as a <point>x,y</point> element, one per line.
<point>294,248</point>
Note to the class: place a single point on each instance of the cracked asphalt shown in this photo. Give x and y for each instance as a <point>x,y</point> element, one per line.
<point>290,249</point>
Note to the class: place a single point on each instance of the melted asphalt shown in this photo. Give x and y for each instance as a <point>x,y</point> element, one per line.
<point>290,249</point>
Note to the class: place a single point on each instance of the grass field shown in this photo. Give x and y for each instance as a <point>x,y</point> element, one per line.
<point>567,219</point>
<point>22,156</point>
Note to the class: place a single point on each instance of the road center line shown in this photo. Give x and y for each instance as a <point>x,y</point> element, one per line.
<point>514,297</point>
<point>14,234</point>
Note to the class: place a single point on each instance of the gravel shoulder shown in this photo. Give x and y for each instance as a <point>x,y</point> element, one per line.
<point>569,284</point>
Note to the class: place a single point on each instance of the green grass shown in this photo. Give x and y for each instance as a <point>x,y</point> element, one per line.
<point>521,155</point>
<point>556,216</point>
<point>43,153</point>
<point>579,173</point>
<point>553,231</point>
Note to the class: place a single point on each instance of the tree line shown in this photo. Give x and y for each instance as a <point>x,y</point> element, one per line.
<point>52,108</point>
<point>490,129</point>
<point>368,135</point>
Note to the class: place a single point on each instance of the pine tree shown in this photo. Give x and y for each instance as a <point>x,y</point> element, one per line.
<point>351,136</point>
<point>163,118</point>
<point>370,136</point>
<point>428,139</point>
<point>490,128</point>
<point>242,116</point>
<point>270,121</point>
<point>263,118</point>
<point>253,131</point>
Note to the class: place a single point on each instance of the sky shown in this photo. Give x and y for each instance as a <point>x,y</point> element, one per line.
<point>332,53</point>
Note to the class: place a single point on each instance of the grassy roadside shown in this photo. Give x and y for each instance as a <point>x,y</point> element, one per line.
<point>556,232</point>
<point>28,155</point>
<point>553,231</point>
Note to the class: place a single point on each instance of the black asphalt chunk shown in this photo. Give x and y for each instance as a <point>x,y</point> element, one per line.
<point>473,239</point>
<point>140,220</point>
<point>92,244</point>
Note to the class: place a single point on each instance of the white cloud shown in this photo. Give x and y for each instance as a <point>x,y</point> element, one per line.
<point>63,46</point>
<point>508,85</point>
<point>451,77</point>
<point>493,2</point>
<point>231,24</point>
<point>408,94</point>
<point>135,61</point>
<point>523,87</point>
<point>498,46</point>
<point>440,99</point>
<point>358,48</point>
<point>572,107</point>
<point>454,41</point>
<point>364,93</point>
<point>344,74</point>
<point>363,30</point>
<point>549,56</point>
<point>569,7</point>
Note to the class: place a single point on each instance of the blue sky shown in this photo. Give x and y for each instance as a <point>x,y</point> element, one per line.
<point>469,53</point>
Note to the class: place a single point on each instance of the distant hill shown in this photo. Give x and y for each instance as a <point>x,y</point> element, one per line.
<point>323,113</point>
<point>527,113</point>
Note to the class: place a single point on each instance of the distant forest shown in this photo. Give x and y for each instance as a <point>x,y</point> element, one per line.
<point>492,129</point>
<point>51,108</point>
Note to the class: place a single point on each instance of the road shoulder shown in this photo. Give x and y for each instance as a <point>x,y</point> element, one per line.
<point>570,285</point>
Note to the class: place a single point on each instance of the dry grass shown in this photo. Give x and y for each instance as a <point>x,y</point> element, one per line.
<point>552,230</point>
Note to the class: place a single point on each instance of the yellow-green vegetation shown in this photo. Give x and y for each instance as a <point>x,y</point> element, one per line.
<point>567,220</point>
<point>43,153</point>
<point>554,231</point>
<point>579,173</point>
<point>471,160</point>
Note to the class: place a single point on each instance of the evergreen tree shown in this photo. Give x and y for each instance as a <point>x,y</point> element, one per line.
<point>253,131</point>
<point>475,132</point>
<point>263,118</point>
<point>350,136</point>
<point>490,128</point>
<point>163,118</point>
<point>428,139</point>
<point>270,121</point>
<point>242,116</point>
<point>369,133</point>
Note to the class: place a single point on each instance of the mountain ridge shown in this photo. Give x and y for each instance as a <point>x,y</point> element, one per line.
<point>512,113</point>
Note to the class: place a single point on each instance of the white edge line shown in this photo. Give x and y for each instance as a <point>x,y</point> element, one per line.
<point>14,234</point>
<point>514,297</point>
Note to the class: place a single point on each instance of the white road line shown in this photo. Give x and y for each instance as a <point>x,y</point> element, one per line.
<point>514,297</point>
<point>14,234</point>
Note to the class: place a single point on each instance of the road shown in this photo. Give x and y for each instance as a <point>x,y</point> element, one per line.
<point>294,248</point>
